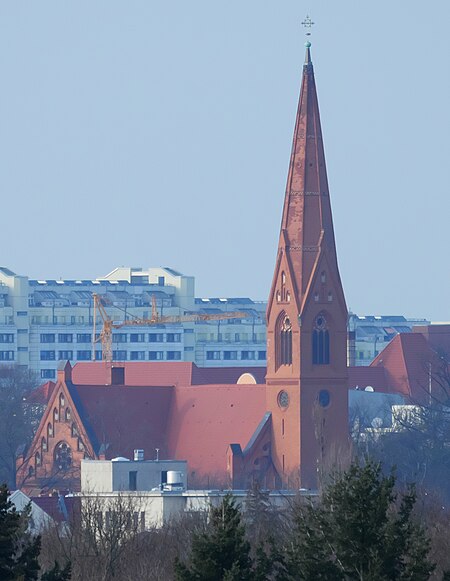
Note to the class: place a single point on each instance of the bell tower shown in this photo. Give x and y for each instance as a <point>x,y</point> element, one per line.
<point>306,314</point>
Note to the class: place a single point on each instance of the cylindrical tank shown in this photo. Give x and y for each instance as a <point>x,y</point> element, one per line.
<point>174,477</point>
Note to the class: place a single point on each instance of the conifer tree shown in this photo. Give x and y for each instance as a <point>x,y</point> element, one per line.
<point>220,553</point>
<point>19,551</point>
<point>359,531</point>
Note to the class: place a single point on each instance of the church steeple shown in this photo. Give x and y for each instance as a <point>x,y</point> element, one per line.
<point>307,223</point>
<point>306,312</point>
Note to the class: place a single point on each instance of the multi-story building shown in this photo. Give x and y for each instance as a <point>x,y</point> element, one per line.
<point>46,321</point>
<point>372,333</point>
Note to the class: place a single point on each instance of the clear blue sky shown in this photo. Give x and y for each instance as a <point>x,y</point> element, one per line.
<point>158,133</point>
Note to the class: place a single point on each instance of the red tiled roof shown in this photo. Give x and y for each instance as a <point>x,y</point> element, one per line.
<point>405,361</point>
<point>52,505</point>
<point>122,419</point>
<point>363,377</point>
<point>159,373</point>
<point>41,394</point>
<point>206,419</point>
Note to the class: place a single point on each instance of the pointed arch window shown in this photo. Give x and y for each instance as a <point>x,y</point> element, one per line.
<point>74,430</point>
<point>63,456</point>
<point>49,430</point>
<point>30,471</point>
<point>37,459</point>
<point>55,415</point>
<point>284,341</point>
<point>44,444</point>
<point>320,342</point>
<point>62,402</point>
<point>68,415</point>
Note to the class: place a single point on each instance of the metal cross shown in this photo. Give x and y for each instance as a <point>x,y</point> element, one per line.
<point>308,23</point>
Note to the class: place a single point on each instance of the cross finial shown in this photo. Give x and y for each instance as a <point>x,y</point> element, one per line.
<point>308,24</point>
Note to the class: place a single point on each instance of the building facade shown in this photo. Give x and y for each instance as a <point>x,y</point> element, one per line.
<point>46,321</point>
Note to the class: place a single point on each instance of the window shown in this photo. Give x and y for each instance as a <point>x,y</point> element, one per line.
<point>49,430</point>
<point>188,331</point>
<point>284,341</point>
<point>156,355</point>
<point>84,355</point>
<point>173,337</point>
<point>74,430</point>
<point>120,355</point>
<point>323,277</point>
<point>132,480</point>
<point>320,342</point>
<point>47,337</point>
<point>210,355</point>
<point>22,313</point>
<point>6,337</point>
<point>47,355</point>
<point>47,373</point>
<point>63,456</point>
<point>22,349</point>
<point>68,415</point>
<point>22,331</point>
<point>173,355</point>
<point>65,338</point>
<point>137,338</point>
<point>189,349</point>
<point>6,355</point>
<point>83,337</point>
<point>120,338</point>
<point>63,355</point>
<point>98,355</point>
<point>137,356</point>
<point>155,338</point>
<point>62,401</point>
<point>44,444</point>
<point>37,459</point>
<point>229,355</point>
<point>246,355</point>
<point>55,415</point>
<point>261,355</point>
<point>237,337</point>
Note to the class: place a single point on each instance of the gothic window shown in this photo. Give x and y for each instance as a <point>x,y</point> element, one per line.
<point>49,430</point>
<point>61,400</point>
<point>320,342</point>
<point>63,456</point>
<point>283,286</point>
<point>37,459</point>
<point>55,415</point>
<point>323,277</point>
<point>284,350</point>
<point>330,297</point>
<point>30,471</point>
<point>68,414</point>
<point>74,430</point>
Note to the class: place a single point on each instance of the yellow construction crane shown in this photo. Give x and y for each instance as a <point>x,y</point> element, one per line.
<point>106,334</point>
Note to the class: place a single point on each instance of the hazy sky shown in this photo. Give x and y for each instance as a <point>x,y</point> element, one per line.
<point>151,133</point>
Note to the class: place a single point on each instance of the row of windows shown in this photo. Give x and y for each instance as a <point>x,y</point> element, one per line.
<point>117,338</point>
<point>6,337</point>
<point>233,355</point>
<point>231,337</point>
<point>6,355</point>
<point>119,355</point>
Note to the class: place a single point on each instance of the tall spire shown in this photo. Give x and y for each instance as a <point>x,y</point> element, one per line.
<point>307,223</point>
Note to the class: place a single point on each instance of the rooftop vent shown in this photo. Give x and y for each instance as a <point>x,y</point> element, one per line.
<point>138,455</point>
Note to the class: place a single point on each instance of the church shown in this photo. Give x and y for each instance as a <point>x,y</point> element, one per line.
<point>281,425</point>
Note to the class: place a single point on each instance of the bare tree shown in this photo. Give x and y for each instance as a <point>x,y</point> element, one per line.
<point>17,420</point>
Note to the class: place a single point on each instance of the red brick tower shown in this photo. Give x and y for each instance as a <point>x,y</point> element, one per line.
<point>306,314</point>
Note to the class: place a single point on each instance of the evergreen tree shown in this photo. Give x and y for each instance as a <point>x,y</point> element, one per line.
<point>19,551</point>
<point>221,553</point>
<point>358,532</point>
